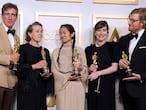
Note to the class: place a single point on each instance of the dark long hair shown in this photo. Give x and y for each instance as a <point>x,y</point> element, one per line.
<point>71,29</point>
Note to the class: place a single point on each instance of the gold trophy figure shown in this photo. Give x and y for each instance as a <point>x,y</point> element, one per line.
<point>76,59</point>
<point>14,65</point>
<point>43,53</point>
<point>128,71</point>
<point>52,101</point>
<point>94,58</point>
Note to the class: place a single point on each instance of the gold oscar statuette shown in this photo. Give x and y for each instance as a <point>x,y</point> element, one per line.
<point>14,65</point>
<point>43,53</point>
<point>94,58</point>
<point>128,71</point>
<point>76,59</point>
<point>52,101</point>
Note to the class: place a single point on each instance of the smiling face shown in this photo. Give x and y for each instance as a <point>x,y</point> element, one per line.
<point>101,34</point>
<point>65,34</point>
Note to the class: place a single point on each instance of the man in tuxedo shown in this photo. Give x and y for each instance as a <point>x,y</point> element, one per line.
<point>133,87</point>
<point>8,38</point>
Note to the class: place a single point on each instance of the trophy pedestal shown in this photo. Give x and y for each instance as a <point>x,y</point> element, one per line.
<point>129,73</point>
<point>13,67</point>
<point>45,70</point>
<point>76,74</point>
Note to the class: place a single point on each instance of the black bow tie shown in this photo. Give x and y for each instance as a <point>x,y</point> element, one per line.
<point>134,35</point>
<point>11,32</point>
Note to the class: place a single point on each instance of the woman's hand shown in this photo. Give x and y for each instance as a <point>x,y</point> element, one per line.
<point>93,76</point>
<point>40,64</point>
<point>93,68</point>
<point>74,78</point>
<point>45,75</point>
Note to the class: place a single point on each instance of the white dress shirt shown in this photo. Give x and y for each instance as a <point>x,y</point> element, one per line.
<point>134,42</point>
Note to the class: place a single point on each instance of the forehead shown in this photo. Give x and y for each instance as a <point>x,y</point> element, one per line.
<point>10,10</point>
<point>134,15</point>
<point>36,27</point>
<point>63,29</point>
<point>102,28</point>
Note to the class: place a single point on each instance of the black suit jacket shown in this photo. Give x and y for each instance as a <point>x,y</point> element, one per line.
<point>138,65</point>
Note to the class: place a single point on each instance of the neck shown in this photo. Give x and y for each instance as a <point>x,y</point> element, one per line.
<point>35,44</point>
<point>100,43</point>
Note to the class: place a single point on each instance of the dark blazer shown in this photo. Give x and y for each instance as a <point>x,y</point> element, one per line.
<point>138,65</point>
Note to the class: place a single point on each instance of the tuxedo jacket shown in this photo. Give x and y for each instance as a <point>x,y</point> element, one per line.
<point>7,77</point>
<point>137,64</point>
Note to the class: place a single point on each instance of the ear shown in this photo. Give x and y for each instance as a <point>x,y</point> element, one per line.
<point>29,33</point>
<point>72,35</point>
<point>145,24</point>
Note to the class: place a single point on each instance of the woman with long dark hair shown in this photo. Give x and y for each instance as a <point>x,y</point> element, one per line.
<point>70,71</point>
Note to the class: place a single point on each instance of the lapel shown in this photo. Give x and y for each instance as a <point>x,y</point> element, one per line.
<point>5,40</point>
<point>141,41</point>
<point>126,43</point>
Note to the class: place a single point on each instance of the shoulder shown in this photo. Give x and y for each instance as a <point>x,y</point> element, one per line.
<point>1,25</point>
<point>125,37</point>
<point>2,29</point>
<point>144,33</point>
<point>90,47</point>
<point>55,51</point>
<point>79,48</point>
<point>113,43</point>
<point>46,50</point>
<point>25,46</point>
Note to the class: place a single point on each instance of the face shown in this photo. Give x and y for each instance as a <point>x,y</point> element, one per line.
<point>65,35</point>
<point>36,34</point>
<point>9,17</point>
<point>134,23</point>
<point>101,34</point>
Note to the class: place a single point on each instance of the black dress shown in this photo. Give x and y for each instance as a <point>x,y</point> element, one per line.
<point>32,88</point>
<point>105,100</point>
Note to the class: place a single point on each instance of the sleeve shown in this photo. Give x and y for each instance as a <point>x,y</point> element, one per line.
<point>23,68</point>
<point>50,80</point>
<point>115,57</point>
<point>48,58</point>
<point>88,52</point>
<point>4,59</point>
<point>84,71</point>
<point>61,80</point>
